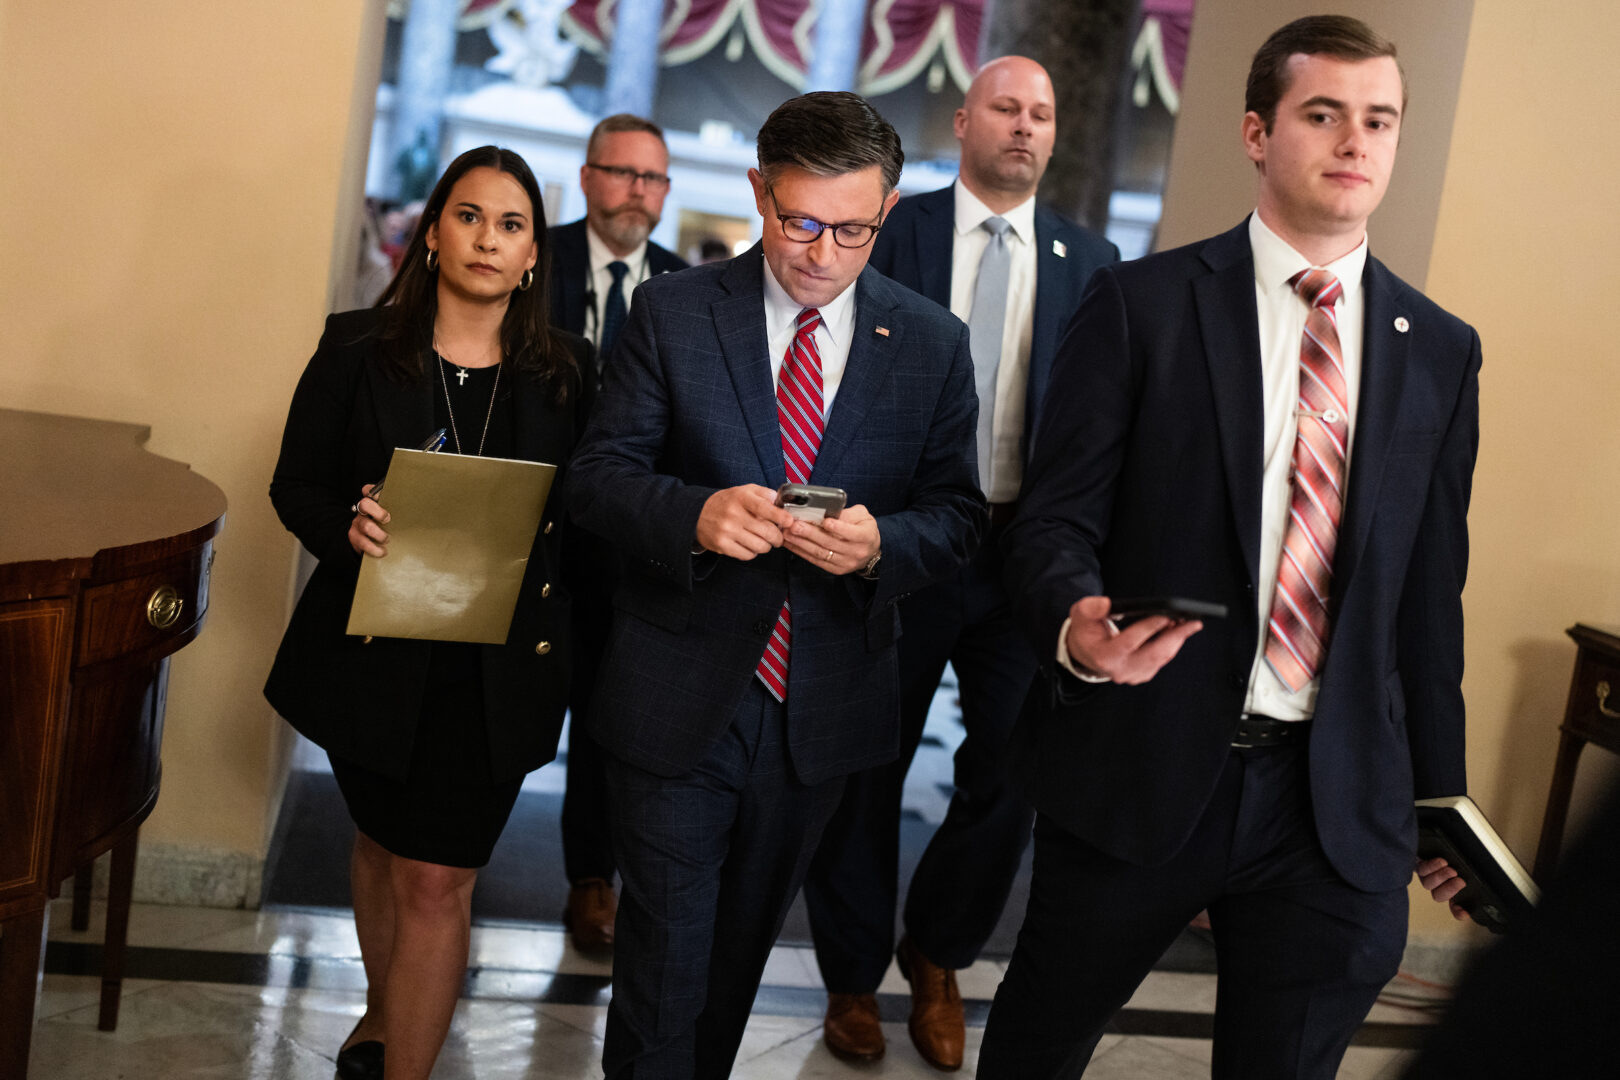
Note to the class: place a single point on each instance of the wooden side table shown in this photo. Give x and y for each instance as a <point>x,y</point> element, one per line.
<point>1592,715</point>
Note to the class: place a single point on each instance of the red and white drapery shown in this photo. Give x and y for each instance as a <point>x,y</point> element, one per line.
<point>902,37</point>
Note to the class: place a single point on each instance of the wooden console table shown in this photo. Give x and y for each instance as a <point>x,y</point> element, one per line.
<point>1592,715</point>
<point>105,552</point>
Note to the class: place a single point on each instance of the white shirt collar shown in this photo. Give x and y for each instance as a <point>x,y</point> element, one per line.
<point>1275,261</point>
<point>972,213</point>
<point>601,254</point>
<point>837,315</point>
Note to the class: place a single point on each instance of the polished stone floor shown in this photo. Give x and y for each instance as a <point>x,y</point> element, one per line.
<point>238,994</point>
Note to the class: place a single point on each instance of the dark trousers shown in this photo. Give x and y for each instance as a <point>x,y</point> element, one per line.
<point>961,884</point>
<point>710,862</point>
<point>1302,956</point>
<point>587,836</point>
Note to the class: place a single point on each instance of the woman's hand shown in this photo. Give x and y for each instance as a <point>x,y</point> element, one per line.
<point>366,534</point>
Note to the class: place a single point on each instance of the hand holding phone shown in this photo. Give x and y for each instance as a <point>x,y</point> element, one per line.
<point>811,502</point>
<point>1130,609</point>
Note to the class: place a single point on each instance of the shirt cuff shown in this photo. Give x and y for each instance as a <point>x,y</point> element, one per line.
<point>1066,661</point>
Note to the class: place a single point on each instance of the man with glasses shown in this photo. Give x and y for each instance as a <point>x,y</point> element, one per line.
<point>752,664</point>
<point>596,263</point>
<point>1014,272</point>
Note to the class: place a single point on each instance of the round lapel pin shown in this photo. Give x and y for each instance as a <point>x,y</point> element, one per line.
<point>1401,325</point>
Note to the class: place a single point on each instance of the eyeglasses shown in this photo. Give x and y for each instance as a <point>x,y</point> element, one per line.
<point>846,234</point>
<point>622,175</point>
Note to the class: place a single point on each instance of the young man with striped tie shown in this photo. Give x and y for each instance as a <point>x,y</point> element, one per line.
<point>1272,421</point>
<point>752,661</point>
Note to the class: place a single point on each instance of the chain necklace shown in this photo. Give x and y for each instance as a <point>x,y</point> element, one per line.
<point>461,374</point>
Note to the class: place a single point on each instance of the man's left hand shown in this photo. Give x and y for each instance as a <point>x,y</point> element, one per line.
<point>840,545</point>
<point>1440,878</point>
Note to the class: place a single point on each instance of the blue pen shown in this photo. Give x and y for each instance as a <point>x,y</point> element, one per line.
<point>431,445</point>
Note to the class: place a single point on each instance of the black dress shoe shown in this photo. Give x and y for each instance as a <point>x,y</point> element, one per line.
<point>362,1061</point>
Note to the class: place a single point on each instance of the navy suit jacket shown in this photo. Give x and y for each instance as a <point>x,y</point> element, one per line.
<point>914,247</point>
<point>689,408</point>
<point>571,267</point>
<point>1147,483</point>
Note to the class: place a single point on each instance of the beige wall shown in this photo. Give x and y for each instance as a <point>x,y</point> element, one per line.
<point>1527,248</point>
<point>170,203</point>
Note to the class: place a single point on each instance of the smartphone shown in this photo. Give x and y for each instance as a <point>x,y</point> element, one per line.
<point>1171,607</point>
<point>810,502</point>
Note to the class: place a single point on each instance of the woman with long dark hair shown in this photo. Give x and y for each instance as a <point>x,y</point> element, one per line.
<point>428,740</point>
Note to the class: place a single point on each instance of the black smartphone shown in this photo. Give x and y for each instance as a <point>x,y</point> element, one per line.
<point>811,502</point>
<point>1171,607</point>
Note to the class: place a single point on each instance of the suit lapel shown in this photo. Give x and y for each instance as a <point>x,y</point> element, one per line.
<point>404,408</point>
<point>871,354</point>
<point>1229,322</point>
<point>739,323</point>
<point>1052,282</point>
<point>932,239</point>
<point>1384,356</point>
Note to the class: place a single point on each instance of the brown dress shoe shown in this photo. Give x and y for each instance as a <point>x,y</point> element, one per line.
<point>937,1028</point>
<point>589,914</point>
<point>851,1029</point>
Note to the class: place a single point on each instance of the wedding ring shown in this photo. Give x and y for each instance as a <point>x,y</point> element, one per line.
<point>829,554</point>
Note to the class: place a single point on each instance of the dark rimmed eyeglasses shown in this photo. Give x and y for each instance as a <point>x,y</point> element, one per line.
<point>628,176</point>
<point>846,234</point>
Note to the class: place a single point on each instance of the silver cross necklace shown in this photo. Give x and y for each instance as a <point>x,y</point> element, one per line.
<point>461,377</point>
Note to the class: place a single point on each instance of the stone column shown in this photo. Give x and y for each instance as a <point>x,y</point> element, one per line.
<point>1084,45</point>
<point>632,67</point>
<point>836,54</point>
<point>426,55</point>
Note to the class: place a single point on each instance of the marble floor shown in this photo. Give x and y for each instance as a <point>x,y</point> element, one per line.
<point>271,994</point>
<point>214,994</point>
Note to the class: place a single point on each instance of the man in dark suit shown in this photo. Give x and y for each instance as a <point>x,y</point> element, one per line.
<point>1262,765</point>
<point>596,262</point>
<point>1014,272</point>
<point>752,660</point>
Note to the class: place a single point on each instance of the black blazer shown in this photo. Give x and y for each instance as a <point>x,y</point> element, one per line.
<point>914,247</point>
<point>1146,482</point>
<point>689,407</point>
<point>360,700</point>
<point>570,271</point>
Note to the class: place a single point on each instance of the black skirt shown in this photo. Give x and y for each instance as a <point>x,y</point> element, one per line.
<point>450,810</point>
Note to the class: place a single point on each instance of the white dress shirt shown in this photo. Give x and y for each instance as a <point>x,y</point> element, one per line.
<point>1000,481</point>
<point>601,279</point>
<point>832,336</point>
<point>1282,327</point>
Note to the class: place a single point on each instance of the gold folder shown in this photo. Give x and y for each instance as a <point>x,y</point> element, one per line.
<point>458,543</point>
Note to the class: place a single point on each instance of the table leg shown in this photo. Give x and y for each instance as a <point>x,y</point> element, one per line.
<point>120,888</point>
<point>22,948</point>
<point>1552,824</point>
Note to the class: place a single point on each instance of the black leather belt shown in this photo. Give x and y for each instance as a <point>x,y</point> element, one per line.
<point>1254,730</point>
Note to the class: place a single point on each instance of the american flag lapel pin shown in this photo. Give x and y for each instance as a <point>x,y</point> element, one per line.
<point>1060,249</point>
<point>883,330</point>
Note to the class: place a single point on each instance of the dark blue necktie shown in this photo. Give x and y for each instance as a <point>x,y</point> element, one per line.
<point>613,311</point>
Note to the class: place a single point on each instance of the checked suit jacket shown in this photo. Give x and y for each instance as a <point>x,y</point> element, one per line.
<point>688,408</point>
<point>1147,482</point>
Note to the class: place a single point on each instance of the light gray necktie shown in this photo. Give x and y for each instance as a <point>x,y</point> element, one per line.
<point>986,321</point>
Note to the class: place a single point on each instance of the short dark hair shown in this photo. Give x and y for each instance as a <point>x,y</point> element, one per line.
<point>829,133</point>
<point>411,302</point>
<point>1338,36</point>
<point>612,125</point>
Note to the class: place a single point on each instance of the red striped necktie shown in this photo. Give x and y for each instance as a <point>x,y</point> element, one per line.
<point>801,416</point>
<point>1297,633</point>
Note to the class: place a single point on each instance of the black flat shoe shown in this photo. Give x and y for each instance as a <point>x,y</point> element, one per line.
<point>362,1061</point>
